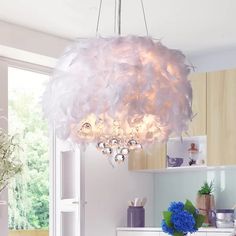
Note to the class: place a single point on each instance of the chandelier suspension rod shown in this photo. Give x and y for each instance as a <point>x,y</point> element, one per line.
<point>119,17</point>
<point>99,15</point>
<point>115,17</point>
<point>144,17</point>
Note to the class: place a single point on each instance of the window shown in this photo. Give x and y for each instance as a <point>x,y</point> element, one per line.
<point>28,193</point>
<point>29,204</point>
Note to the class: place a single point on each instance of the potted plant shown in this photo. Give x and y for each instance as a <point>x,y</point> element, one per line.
<point>181,219</point>
<point>206,201</point>
<point>9,162</point>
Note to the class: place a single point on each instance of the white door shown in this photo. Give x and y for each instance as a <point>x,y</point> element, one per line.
<point>67,204</point>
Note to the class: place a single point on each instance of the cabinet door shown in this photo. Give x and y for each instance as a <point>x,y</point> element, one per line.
<point>136,233</point>
<point>153,157</point>
<point>221,118</point>
<point>198,125</point>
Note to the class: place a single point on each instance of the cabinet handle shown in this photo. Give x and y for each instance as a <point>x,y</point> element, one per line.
<point>76,202</point>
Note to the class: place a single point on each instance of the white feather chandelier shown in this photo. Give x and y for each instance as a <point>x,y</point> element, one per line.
<point>120,93</point>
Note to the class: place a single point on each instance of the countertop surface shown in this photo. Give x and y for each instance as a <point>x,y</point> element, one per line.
<point>157,229</point>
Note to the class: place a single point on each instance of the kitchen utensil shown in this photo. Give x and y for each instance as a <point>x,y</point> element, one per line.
<point>130,203</point>
<point>137,202</point>
<point>135,216</point>
<point>144,201</point>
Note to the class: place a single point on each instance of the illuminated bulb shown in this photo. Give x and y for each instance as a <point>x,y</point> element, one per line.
<point>124,151</point>
<point>138,146</point>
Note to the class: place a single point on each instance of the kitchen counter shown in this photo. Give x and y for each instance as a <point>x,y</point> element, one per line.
<point>157,229</point>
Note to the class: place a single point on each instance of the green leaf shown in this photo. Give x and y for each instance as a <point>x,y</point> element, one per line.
<point>188,206</point>
<point>167,217</point>
<point>178,234</point>
<point>206,189</point>
<point>199,220</point>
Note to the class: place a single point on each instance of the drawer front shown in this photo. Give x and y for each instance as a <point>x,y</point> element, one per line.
<point>136,233</point>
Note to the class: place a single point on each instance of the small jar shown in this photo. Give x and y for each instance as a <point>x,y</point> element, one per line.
<point>135,216</point>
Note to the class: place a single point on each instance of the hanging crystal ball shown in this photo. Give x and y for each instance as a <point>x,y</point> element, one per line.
<point>107,151</point>
<point>101,145</point>
<point>114,142</point>
<point>119,158</point>
<point>132,144</point>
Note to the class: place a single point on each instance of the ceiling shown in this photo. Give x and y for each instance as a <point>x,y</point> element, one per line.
<point>194,26</point>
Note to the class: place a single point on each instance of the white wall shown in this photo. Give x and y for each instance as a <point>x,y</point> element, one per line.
<point>182,185</point>
<point>214,60</point>
<point>32,41</point>
<point>108,191</point>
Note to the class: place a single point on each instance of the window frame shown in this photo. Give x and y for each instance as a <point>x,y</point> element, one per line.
<point>5,63</point>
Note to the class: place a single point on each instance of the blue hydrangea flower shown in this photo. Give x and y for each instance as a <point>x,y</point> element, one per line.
<point>176,207</point>
<point>166,229</point>
<point>183,221</point>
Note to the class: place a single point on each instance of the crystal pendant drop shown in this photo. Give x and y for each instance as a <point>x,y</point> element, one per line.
<point>132,144</point>
<point>114,142</point>
<point>119,158</point>
<point>107,151</point>
<point>101,145</point>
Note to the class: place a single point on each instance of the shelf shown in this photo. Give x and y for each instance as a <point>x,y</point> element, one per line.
<point>185,169</point>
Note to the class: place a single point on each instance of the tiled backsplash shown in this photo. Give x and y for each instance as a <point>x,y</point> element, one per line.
<point>182,185</point>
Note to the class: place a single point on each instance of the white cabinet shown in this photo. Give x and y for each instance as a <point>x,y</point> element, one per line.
<point>158,232</point>
<point>136,233</point>
<point>194,234</point>
<point>218,234</point>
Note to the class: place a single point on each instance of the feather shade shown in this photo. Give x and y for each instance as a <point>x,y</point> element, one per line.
<point>130,88</point>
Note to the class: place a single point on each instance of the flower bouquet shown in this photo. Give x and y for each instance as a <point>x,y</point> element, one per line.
<point>181,219</point>
<point>9,162</point>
